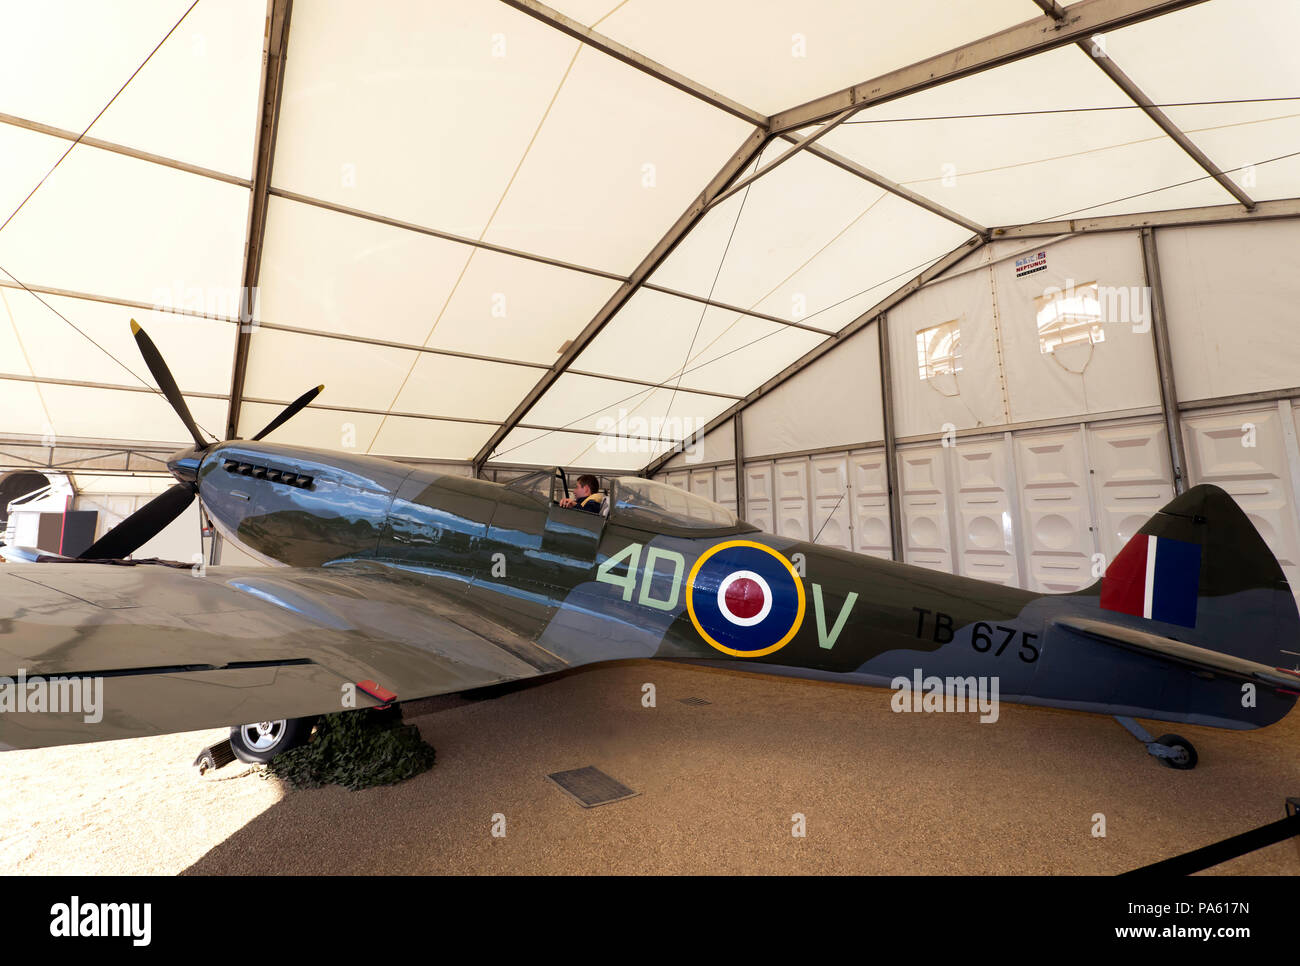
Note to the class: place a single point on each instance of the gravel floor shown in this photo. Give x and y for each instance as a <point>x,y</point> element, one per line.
<point>719,786</point>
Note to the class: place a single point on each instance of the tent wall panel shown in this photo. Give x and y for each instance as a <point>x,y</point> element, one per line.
<point>834,401</point>
<point>1116,373</point>
<point>701,483</point>
<point>716,447</point>
<point>1230,294</point>
<point>713,483</point>
<point>724,486</point>
<point>1250,452</point>
<point>870,503</point>
<point>926,495</point>
<point>1071,496</point>
<point>1056,510</point>
<point>758,495</point>
<point>790,481</point>
<point>231,556</point>
<point>1131,478</point>
<point>832,516</point>
<point>974,395</point>
<point>982,496</point>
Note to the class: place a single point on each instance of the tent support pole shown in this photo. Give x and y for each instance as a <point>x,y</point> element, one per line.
<point>1164,361</point>
<point>891,450</point>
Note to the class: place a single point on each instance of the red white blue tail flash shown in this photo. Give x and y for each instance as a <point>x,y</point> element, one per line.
<point>1156,578</point>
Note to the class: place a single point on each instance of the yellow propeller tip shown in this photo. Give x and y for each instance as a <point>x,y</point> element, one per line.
<point>321,387</point>
<point>135,327</point>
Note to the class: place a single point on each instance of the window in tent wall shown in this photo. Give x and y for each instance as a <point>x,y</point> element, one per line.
<point>938,350</point>
<point>1069,316</point>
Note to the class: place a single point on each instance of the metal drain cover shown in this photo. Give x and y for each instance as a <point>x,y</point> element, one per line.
<point>695,702</point>
<point>591,786</point>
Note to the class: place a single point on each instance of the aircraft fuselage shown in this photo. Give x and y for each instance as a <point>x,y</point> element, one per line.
<point>629,588</point>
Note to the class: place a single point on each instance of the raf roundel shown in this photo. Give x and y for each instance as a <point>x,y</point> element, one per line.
<point>745,598</point>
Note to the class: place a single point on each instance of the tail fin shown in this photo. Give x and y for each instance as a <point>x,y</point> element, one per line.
<point>1200,571</point>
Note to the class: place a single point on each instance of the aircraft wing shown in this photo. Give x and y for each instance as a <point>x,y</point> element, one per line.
<point>1179,652</point>
<point>12,554</point>
<point>173,651</point>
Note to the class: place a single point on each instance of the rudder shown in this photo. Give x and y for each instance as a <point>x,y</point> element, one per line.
<point>1200,568</point>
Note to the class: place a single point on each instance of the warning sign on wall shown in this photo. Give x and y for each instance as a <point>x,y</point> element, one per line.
<point>1028,264</point>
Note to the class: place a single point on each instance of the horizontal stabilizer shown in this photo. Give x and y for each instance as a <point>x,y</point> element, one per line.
<point>1178,652</point>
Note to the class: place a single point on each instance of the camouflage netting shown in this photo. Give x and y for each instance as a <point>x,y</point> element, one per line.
<point>356,749</point>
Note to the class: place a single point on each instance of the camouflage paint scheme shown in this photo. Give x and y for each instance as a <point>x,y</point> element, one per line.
<point>429,584</point>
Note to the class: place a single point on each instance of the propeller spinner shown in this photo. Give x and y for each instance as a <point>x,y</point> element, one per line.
<point>152,518</point>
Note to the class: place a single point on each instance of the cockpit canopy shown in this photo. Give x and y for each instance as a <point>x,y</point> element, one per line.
<point>640,503</point>
<point>540,484</point>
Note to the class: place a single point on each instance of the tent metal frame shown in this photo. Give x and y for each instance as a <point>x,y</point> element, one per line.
<point>1075,24</point>
<point>275,50</point>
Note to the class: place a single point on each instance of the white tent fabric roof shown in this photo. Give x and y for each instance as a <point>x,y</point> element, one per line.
<point>470,230</point>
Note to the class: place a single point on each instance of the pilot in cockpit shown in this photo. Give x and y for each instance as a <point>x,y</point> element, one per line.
<point>586,495</point>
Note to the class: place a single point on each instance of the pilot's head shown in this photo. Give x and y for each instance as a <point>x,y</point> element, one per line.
<point>585,486</point>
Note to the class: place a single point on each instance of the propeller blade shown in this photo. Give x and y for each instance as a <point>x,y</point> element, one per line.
<point>142,525</point>
<point>289,412</point>
<point>154,360</point>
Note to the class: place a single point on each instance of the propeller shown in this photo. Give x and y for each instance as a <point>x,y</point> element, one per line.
<point>163,376</point>
<point>142,525</point>
<point>152,518</point>
<point>290,411</point>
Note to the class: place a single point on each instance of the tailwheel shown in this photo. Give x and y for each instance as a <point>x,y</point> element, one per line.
<point>1183,755</point>
<point>1174,751</point>
<point>260,741</point>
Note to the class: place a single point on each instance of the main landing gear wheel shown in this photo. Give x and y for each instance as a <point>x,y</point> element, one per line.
<point>260,741</point>
<point>1184,755</point>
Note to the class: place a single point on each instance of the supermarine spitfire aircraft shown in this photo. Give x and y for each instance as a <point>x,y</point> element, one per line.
<point>399,583</point>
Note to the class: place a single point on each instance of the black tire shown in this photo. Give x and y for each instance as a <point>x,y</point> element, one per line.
<point>1186,758</point>
<point>259,742</point>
